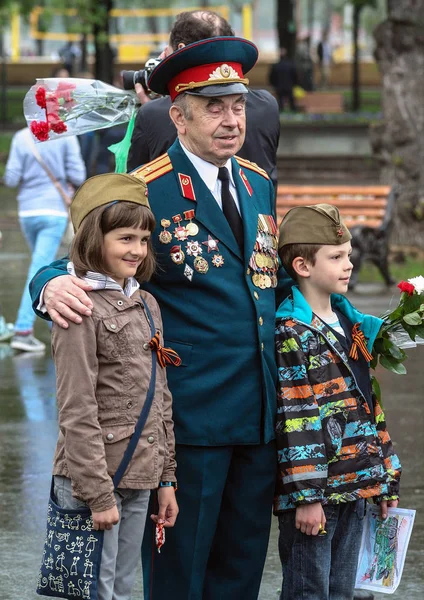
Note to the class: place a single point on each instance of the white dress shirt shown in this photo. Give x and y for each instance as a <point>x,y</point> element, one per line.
<point>209,174</point>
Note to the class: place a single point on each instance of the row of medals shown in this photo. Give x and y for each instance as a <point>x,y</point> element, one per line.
<point>193,248</point>
<point>264,260</point>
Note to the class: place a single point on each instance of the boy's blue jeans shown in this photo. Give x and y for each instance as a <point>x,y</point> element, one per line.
<point>43,235</point>
<point>321,567</point>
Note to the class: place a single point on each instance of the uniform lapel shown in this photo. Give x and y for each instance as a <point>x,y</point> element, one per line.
<point>206,208</point>
<point>248,206</point>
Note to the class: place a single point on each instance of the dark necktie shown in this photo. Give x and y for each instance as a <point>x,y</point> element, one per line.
<point>229,207</point>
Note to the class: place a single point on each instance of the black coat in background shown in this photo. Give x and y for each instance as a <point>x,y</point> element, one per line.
<point>154,132</point>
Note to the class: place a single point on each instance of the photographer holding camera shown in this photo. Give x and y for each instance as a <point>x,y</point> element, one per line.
<point>154,131</point>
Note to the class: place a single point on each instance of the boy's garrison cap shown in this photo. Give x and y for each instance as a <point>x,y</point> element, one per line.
<point>212,67</point>
<point>315,224</point>
<point>104,189</point>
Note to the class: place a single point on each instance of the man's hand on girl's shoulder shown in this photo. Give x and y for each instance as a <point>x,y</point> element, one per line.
<point>66,300</point>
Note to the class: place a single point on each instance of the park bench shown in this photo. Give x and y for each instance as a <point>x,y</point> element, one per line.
<point>321,102</point>
<point>366,210</point>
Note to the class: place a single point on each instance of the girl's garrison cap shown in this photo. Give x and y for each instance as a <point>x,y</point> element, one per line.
<point>104,189</point>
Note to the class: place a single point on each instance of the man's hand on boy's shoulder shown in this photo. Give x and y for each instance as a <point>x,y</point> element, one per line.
<point>310,518</point>
<point>65,298</point>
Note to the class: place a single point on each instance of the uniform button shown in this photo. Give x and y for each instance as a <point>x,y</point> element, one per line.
<point>150,439</point>
<point>146,346</point>
<point>262,347</point>
<point>110,437</point>
<point>256,295</point>
<point>248,272</point>
<point>119,303</point>
<point>113,326</point>
<point>129,404</point>
<point>261,321</point>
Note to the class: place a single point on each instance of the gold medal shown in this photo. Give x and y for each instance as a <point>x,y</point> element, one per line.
<point>260,260</point>
<point>165,237</point>
<point>177,255</point>
<point>262,282</point>
<point>201,265</point>
<point>255,279</point>
<point>267,279</point>
<point>192,228</point>
<point>217,260</point>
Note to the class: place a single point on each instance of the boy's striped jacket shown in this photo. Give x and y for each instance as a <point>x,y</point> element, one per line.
<point>331,449</point>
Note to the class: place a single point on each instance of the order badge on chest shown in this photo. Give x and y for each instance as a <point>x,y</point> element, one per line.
<point>203,252</point>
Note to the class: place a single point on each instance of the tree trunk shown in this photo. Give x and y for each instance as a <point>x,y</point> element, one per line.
<point>398,142</point>
<point>103,69</point>
<point>356,96</point>
<point>286,26</point>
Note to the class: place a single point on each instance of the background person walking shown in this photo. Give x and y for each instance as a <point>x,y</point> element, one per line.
<point>43,215</point>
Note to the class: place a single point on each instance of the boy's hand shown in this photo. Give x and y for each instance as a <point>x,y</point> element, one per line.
<point>64,293</point>
<point>309,517</point>
<point>385,504</point>
<point>168,507</point>
<point>105,519</point>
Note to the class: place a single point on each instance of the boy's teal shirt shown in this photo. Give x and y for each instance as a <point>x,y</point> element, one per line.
<point>296,307</point>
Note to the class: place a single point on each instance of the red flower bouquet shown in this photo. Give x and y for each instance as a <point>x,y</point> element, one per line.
<point>56,107</point>
<point>402,328</point>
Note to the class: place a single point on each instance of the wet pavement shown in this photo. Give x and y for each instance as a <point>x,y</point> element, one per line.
<point>28,431</point>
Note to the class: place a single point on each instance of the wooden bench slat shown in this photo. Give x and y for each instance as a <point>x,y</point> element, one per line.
<point>341,204</point>
<point>348,212</point>
<point>358,205</point>
<point>373,190</point>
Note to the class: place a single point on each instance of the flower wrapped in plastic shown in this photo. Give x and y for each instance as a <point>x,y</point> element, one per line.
<point>56,107</point>
<point>402,328</point>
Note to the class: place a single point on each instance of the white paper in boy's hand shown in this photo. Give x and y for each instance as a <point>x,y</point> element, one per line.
<point>383,549</point>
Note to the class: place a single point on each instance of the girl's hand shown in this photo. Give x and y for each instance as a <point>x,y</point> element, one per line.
<point>105,519</point>
<point>168,507</point>
<point>309,517</point>
<point>385,504</point>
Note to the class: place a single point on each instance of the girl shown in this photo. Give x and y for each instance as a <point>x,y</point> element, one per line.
<point>103,368</point>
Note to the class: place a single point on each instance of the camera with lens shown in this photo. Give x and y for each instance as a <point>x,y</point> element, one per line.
<point>130,78</point>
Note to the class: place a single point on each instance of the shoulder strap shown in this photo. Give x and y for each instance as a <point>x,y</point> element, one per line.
<point>144,412</point>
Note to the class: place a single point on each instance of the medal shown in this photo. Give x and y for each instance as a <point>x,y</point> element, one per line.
<point>255,279</point>
<point>194,248</point>
<point>177,255</point>
<point>181,233</point>
<point>201,265</point>
<point>191,228</point>
<point>165,237</point>
<point>188,272</point>
<point>211,244</point>
<point>217,260</point>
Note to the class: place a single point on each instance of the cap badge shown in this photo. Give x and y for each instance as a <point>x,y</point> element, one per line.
<point>340,232</point>
<point>224,72</point>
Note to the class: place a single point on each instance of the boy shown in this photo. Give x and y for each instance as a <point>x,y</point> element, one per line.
<point>333,447</point>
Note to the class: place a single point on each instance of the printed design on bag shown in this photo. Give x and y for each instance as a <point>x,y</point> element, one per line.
<point>71,556</point>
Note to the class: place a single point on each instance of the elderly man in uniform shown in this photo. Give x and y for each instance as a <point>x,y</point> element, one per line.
<point>154,131</point>
<point>216,244</point>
